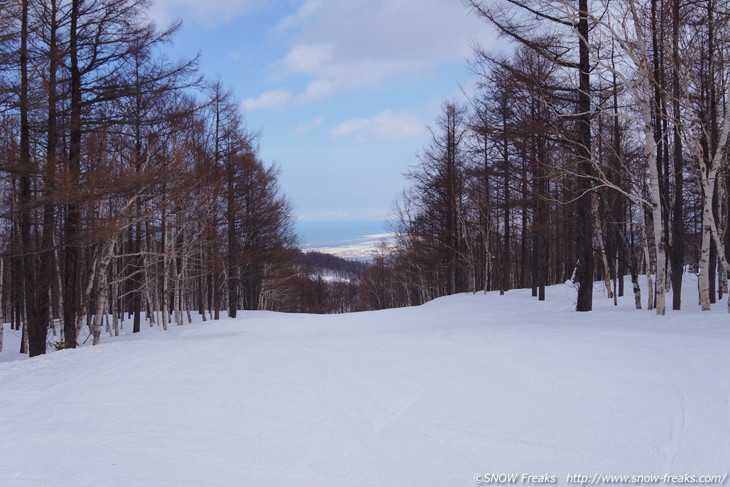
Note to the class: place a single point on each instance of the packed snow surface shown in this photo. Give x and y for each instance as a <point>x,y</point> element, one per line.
<point>435,395</point>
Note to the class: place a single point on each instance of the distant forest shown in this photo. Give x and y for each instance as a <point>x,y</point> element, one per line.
<point>131,185</point>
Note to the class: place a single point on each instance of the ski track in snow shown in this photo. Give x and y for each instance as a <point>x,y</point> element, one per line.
<point>425,396</point>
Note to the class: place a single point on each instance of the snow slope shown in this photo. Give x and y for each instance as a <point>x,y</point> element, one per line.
<point>426,396</point>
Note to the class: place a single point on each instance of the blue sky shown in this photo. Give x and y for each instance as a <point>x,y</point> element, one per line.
<point>342,89</point>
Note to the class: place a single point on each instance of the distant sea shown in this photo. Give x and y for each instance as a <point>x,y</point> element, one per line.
<point>315,233</point>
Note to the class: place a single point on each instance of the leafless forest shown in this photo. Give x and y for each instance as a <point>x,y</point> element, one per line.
<point>595,149</point>
<point>130,184</point>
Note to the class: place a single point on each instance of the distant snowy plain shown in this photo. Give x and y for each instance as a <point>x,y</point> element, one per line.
<point>437,395</point>
<point>347,239</point>
<point>361,249</point>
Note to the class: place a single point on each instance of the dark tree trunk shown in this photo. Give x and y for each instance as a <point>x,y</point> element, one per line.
<point>506,254</point>
<point>541,219</point>
<point>137,279</point>
<point>35,326</point>
<point>584,271</point>
<point>73,212</point>
<point>233,253</point>
<point>47,274</point>
<point>523,204</point>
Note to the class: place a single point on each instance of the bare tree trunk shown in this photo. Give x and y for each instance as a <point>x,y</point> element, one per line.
<point>658,232</point>
<point>650,263</point>
<point>506,254</point>
<point>146,268</point>
<point>644,101</point>
<point>35,324</point>
<point>721,254</point>
<point>585,166</point>
<point>47,308</point>
<point>709,173</point>
<point>633,263</point>
<point>178,297</point>
<point>86,297</point>
<point>73,211</point>
<point>100,291</point>
<point>233,254</point>
<point>615,283</point>
<point>598,232</point>
<point>165,280</point>
<point>637,289</point>
<point>60,305</point>
<point>704,280</point>
<point>176,303</point>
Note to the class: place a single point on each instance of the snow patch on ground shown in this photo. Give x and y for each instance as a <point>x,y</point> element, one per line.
<point>425,396</point>
<point>332,276</point>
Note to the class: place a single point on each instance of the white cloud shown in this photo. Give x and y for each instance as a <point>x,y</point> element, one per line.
<point>309,59</point>
<point>306,127</point>
<point>273,100</point>
<point>388,125</point>
<point>332,72</point>
<point>422,30</point>
<point>293,21</point>
<point>362,45</point>
<point>205,12</point>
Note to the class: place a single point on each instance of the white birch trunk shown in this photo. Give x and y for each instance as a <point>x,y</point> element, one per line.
<point>176,306</point>
<point>85,299</point>
<point>165,293</point>
<point>709,225</point>
<point>487,261</point>
<point>100,291</point>
<point>51,320</point>
<point>100,308</point>
<point>643,91</point>
<point>57,263</point>
<point>649,264</point>
<point>656,214</point>
<point>637,291</point>
<point>176,309</point>
<point>704,279</point>
<point>598,231</point>
<point>150,311</point>
<point>724,265</point>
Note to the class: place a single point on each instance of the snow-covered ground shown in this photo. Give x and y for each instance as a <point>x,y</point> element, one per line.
<point>330,275</point>
<point>438,395</point>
